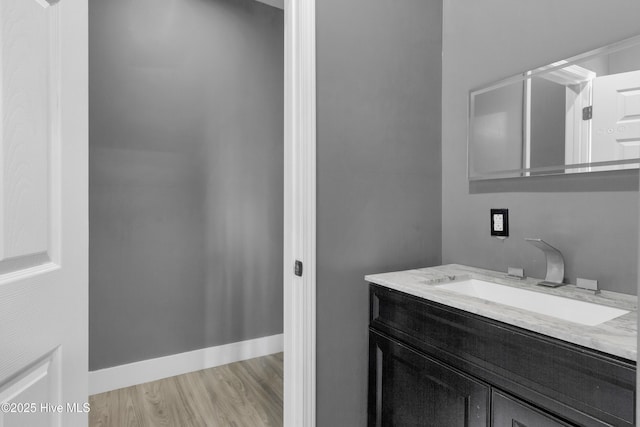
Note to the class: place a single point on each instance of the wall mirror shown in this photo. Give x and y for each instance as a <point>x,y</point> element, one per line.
<point>573,116</point>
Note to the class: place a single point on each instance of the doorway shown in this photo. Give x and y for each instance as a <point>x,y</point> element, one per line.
<point>186,185</point>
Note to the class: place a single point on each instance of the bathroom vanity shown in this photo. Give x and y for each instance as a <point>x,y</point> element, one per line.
<point>444,358</point>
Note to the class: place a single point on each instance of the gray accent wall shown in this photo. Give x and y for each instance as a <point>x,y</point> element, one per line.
<point>547,121</point>
<point>378,189</point>
<point>186,176</point>
<point>593,220</point>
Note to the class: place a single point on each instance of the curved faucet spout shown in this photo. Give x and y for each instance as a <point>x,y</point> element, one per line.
<point>555,262</point>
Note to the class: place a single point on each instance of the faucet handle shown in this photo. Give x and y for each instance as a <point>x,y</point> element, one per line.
<point>555,262</point>
<point>515,273</point>
<point>587,285</point>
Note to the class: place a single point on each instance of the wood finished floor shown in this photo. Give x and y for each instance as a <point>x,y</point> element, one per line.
<point>247,393</point>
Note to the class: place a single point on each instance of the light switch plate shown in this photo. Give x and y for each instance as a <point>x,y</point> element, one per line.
<point>500,222</point>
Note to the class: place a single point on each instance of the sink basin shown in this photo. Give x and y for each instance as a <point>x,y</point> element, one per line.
<point>584,313</point>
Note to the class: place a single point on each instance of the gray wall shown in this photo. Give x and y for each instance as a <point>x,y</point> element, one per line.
<point>378,136</point>
<point>547,121</point>
<point>497,130</point>
<point>592,220</point>
<point>623,61</point>
<point>186,176</point>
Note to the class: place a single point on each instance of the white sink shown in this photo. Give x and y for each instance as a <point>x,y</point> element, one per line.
<point>582,312</point>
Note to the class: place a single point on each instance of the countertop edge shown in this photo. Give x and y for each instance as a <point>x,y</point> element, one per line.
<point>616,337</point>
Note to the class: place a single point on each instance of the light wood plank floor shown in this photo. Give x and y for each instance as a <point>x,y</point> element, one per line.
<point>247,393</point>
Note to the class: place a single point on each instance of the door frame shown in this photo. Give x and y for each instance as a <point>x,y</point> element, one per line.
<point>299,213</point>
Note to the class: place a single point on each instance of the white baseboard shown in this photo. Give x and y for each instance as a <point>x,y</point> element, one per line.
<point>176,364</point>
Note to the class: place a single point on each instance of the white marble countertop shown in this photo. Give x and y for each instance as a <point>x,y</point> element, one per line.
<point>617,336</point>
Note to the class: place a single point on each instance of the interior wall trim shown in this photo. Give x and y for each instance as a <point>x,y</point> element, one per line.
<point>300,213</point>
<point>108,379</point>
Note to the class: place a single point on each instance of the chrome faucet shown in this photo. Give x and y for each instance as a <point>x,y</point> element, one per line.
<point>555,263</point>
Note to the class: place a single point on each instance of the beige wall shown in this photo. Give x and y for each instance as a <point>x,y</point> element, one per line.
<point>592,220</point>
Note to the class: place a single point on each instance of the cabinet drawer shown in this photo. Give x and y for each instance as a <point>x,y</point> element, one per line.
<point>508,412</point>
<point>573,382</point>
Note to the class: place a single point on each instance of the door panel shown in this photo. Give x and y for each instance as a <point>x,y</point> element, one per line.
<point>409,389</point>
<point>43,211</point>
<point>27,394</point>
<point>27,93</point>
<point>616,117</point>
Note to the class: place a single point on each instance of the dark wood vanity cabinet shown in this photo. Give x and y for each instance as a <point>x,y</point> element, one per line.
<point>433,365</point>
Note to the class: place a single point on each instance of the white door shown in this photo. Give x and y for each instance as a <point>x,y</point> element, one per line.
<point>43,213</point>
<point>616,117</point>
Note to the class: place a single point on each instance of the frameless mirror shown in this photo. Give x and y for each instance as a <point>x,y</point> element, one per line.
<point>577,115</point>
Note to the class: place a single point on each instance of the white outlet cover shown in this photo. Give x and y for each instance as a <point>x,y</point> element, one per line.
<point>498,224</point>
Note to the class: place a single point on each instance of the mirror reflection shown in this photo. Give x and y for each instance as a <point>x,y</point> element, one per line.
<point>577,115</point>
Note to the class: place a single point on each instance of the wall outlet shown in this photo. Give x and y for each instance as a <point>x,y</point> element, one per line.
<point>500,222</point>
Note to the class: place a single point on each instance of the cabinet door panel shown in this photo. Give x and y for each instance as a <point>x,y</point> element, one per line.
<point>507,412</point>
<point>409,389</point>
